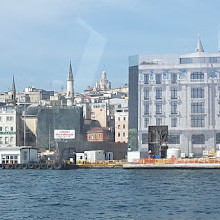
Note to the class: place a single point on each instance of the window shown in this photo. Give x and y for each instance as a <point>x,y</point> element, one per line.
<point>1,140</point>
<point>119,126</point>
<point>118,118</point>
<point>9,118</point>
<point>144,138</point>
<point>173,78</point>
<point>123,126</point>
<point>197,107</point>
<point>173,107</point>
<point>159,108</point>
<point>123,134</point>
<point>99,136</point>
<point>174,93</point>
<point>174,122</point>
<point>25,155</point>
<point>198,121</point>
<point>185,60</point>
<point>158,121</point>
<point>6,129</point>
<point>146,122</point>
<point>0,118</point>
<point>174,139</point>
<point>158,78</point>
<point>198,139</point>
<point>6,140</point>
<point>197,92</point>
<point>11,140</point>
<point>158,93</point>
<point>218,138</point>
<point>11,128</point>
<point>146,78</point>
<point>197,75</point>
<point>118,134</point>
<point>200,60</point>
<point>9,109</point>
<point>146,108</point>
<point>146,93</point>
<point>124,118</point>
<point>9,159</point>
<point>0,128</point>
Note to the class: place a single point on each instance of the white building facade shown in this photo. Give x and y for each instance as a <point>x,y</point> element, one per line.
<point>8,126</point>
<point>181,91</point>
<point>18,155</point>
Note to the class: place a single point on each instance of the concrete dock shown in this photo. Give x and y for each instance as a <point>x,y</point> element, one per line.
<point>173,166</point>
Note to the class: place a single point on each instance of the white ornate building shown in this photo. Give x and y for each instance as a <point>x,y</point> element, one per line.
<point>181,91</point>
<point>103,84</point>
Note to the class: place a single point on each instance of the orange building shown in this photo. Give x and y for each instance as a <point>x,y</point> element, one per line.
<point>99,134</point>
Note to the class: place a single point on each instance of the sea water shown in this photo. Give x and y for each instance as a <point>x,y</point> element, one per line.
<point>110,194</point>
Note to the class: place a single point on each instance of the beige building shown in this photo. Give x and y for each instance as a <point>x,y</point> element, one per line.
<point>34,95</point>
<point>121,125</point>
<point>99,113</point>
<point>123,89</point>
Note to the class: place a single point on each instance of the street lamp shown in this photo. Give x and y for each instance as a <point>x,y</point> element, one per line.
<point>49,136</point>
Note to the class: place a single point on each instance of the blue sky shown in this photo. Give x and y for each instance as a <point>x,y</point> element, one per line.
<point>39,38</point>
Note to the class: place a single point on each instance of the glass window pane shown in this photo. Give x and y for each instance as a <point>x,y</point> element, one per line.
<point>158,78</point>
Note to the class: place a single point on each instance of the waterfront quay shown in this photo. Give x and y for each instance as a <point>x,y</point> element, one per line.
<point>102,165</point>
<point>149,163</point>
<point>201,163</point>
<point>173,166</point>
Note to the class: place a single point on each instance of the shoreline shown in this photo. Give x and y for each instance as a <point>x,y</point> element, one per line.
<point>173,166</point>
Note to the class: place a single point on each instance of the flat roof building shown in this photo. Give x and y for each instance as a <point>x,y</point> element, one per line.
<point>181,91</point>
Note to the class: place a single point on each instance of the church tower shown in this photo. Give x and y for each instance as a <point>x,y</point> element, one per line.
<point>70,88</point>
<point>12,94</point>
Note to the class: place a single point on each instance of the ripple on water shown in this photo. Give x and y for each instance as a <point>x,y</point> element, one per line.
<point>110,194</point>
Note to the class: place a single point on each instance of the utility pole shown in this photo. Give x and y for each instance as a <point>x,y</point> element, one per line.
<point>49,136</point>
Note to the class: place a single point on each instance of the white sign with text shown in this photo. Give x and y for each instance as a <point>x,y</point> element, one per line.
<point>64,134</point>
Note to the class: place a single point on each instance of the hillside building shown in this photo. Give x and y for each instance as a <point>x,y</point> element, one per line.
<point>103,84</point>
<point>121,125</point>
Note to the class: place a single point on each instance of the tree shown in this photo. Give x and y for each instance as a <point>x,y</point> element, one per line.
<point>133,139</point>
<point>157,139</point>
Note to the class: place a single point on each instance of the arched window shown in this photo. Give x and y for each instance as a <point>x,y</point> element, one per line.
<point>197,75</point>
<point>198,139</point>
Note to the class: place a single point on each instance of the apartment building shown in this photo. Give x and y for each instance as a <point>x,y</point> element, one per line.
<point>178,90</point>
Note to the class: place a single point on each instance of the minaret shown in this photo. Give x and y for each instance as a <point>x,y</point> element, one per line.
<point>12,93</point>
<point>199,47</point>
<point>70,89</point>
